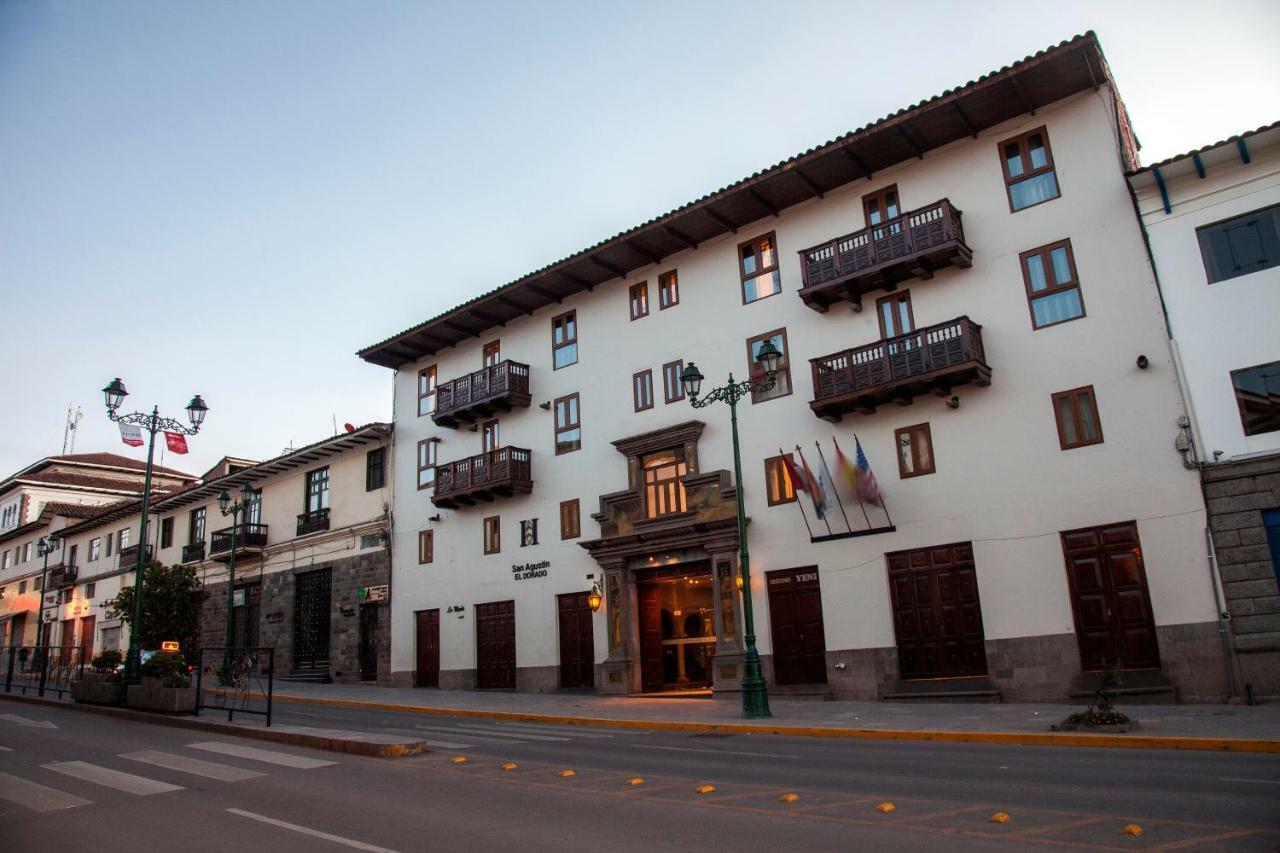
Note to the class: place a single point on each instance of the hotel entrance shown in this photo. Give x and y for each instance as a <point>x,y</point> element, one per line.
<point>677,627</point>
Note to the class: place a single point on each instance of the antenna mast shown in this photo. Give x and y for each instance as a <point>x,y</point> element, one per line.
<point>74,415</point>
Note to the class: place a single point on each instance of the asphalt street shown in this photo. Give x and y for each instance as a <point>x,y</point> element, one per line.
<point>71,781</point>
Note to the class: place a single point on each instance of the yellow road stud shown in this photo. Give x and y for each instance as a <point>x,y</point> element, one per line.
<point>458,760</point>
<point>635,780</point>
<point>788,798</point>
<point>510,765</point>
<point>885,807</point>
<point>1132,829</point>
<point>999,817</point>
<point>565,774</point>
<point>705,789</point>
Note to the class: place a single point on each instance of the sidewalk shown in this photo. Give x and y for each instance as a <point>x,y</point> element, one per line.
<point>1232,727</point>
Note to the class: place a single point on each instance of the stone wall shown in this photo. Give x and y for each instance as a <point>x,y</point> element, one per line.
<point>1237,493</point>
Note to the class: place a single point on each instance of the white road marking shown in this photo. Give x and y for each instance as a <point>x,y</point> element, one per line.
<point>469,735</point>
<point>27,721</point>
<point>1251,781</point>
<point>5,749</point>
<point>713,751</point>
<point>520,727</point>
<point>284,759</point>
<point>194,766</point>
<point>314,833</point>
<point>127,782</point>
<point>37,797</point>
<point>467,730</point>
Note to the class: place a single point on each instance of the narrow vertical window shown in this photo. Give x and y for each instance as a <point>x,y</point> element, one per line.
<point>489,436</point>
<point>492,353</point>
<point>1076,412</point>
<point>894,314</point>
<point>493,534</point>
<point>1029,175</point>
<point>375,469</point>
<point>881,207</point>
<point>564,340</point>
<point>668,290</point>
<point>426,390</point>
<point>672,387</point>
<point>568,424</point>
<point>426,546</point>
<point>166,532</point>
<point>783,385</point>
<point>570,521</point>
<point>642,390</point>
<point>528,532</point>
<point>758,266</point>
<point>1053,291</point>
<point>317,491</point>
<point>427,463</point>
<point>915,451</point>
<point>196,529</point>
<point>777,482</point>
<point>639,300</point>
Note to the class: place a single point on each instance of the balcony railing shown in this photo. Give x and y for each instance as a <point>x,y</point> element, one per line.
<point>63,574</point>
<point>250,539</point>
<point>498,387</point>
<point>933,359</point>
<point>193,553</point>
<point>129,555</point>
<point>499,473</point>
<point>313,522</point>
<point>911,245</point>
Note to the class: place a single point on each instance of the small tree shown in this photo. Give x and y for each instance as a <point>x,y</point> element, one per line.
<point>171,601</point>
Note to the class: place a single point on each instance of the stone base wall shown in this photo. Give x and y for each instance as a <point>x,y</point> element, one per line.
<point>1034,669</point>
<point>1192,656</point>
<point>538,679</point>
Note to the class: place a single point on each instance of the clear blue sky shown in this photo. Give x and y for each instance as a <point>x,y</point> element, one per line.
<point>233,197</point>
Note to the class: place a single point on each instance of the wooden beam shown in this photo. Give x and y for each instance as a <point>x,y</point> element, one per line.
<point>454,324</point>
<point>964,119</point>
<point>608,267</point>
<point>581,284</point>
<point>857,161</point>
<point>902,131</point>
<point>1089,67</point>
<point>808,182</point>
<point>511,303</point>
<point>642,251</point>
<point>719,220</point>
<point>759,199</point>
<point>681,236</point>
<point>543,292</point>
<point>1022,93</point>
<point>488,318</point>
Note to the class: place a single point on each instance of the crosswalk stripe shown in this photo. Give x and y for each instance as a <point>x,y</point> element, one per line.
<point>127,782</point>
<point>284,759</point>
<point>487,732</point>
<point>37,797</point>
<point>194,766</point>
<point>571,733</point>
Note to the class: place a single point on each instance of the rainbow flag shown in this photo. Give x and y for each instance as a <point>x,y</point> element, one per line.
<point>846,467</point>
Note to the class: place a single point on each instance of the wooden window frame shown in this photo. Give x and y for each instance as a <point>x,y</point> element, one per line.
<point>640,289</point>
<point>420,467</point>
<point>1245,426</point>
<point>567,342</point>
<point>1072,395</point>
<point>426,547</point>
<point>774,467</point>
<point>772,237</point>
<point>894,297</point>
<point>755,374</point>
<point>489,429</point>
<point>556,428</point>
<point>192,528</point>
<point>570,511</point>
<point>495,347</point>
<point>431,392</point>
<point>1025,152</point>
<point>1052,286</point>
<point>645,376</point>
<point>668,395</point>
<point>914,430</point>
<point>166,532</point>
<point>379,468</point>
<point>668,290</point>
<point>492,524</point>
<point>878,195</point>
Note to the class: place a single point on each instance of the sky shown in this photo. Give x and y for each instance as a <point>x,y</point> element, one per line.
<point>232,198</point>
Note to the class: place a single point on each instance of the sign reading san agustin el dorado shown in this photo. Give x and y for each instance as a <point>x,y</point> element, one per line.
<point>530,570</point>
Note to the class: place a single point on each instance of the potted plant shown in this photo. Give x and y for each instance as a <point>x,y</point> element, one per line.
<point>101,683</point>
<point>1101,716</point>
<point>165,686</point>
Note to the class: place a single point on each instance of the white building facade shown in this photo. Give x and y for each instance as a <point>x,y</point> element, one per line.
<point>960,289</point>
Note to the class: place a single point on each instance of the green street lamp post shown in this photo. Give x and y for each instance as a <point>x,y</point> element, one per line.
<point>44,547</point>
<point>152,423</point>
<point>755,695</point>
<point>234,510</point>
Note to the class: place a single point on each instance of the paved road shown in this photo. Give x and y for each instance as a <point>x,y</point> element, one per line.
<point>71,781</point>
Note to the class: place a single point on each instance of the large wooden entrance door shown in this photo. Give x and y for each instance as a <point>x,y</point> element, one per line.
<point>577,641</point>
<point>795,622</point>
<point>87,627</point>
<point>937,617</point>
<point>1108,585</point>
<point>311,616</point>
<point>427,625</point>
<point>650,638</point>
<point>496,645</point>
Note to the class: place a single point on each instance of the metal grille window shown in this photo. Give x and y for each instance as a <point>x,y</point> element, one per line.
<point>1029,175</point>
<point>318,489</point>
<point>1258,397</point>
<point>668,290</point>
<point>568,425</point>
<point>915,451</point>
<point>758,266</point>
<point>564,340</point>
<point>1076,412</point>
<point>663,490</point>
<point>1241,245</point>
<point>426,390</point>
<point>1053,290</point>
<point>639,300</point>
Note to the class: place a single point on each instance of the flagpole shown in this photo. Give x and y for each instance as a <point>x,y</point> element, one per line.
<point>830,479</point>
<point>799,504</point>
<point>823,516</point>
<point>884,505</point>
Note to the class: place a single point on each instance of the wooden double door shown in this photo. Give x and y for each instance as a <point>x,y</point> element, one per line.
<point>795,623</point>
<point>496,645</point>
<point>1108,582</point>
<point>937,617</point>
<point>577,641</point>
<point>427,641</point>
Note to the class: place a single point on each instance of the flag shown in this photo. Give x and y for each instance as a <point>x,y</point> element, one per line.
<point>131,434</point>
<point>175,441</point>
<point>825,482</point>
<point>794,473</point>
<point>846,467</point>
<point>868,488</point>
<point>814,487</point>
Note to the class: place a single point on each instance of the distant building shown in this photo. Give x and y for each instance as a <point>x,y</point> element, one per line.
<point>1212,217</point>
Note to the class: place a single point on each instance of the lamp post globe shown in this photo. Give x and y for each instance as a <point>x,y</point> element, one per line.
<point>691,379</point>
<point>115,393</point>
<point>196,410</point>
<point>769,357</point>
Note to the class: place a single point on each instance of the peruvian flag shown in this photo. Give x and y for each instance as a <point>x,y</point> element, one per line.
<point>176,442</point>
<point>131,434</point>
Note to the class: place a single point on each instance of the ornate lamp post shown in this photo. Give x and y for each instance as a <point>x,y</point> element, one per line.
<point>152,423</point>
<point>226,506</point>
<point>755,696</point>
<point>44,548</point>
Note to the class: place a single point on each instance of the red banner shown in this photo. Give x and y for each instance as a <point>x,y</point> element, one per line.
<point>176,442</point>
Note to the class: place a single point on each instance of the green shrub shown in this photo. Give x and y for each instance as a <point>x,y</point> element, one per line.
<point>168,666</point>
<point>107,662</point>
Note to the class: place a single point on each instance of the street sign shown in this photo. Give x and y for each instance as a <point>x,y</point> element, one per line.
<point>377,593</point>
<point>169,646</point>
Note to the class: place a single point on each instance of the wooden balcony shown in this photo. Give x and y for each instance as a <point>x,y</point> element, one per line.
<point>63,574</point>
<point>250,540</point>
<point>497,388</point>
<point>193,553</point>
<point>129,556</point>
<point>912,245</point>
<point>499,473</point>
<point>316,521</point>
<point>930,360</point>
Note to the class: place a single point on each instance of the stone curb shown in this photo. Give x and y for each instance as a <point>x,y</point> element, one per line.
<point>351,746</point>
<point>1112,741</point>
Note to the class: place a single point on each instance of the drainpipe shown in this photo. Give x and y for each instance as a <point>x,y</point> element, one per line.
<point>1224,631</point>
